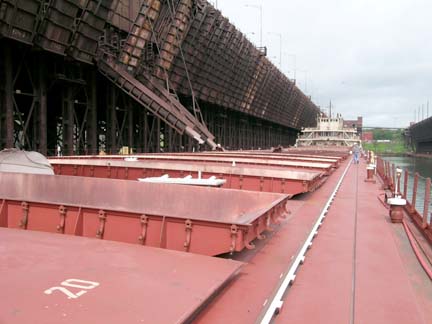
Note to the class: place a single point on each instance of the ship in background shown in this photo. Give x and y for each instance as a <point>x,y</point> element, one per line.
<point>329,132</point>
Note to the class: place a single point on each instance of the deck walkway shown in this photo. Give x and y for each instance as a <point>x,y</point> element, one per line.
<point>361,268</point>
<point>246,298</point>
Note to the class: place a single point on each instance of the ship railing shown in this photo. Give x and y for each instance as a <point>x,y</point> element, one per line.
<point>414,188</point>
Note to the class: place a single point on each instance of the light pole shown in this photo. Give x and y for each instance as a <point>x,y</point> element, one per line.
<point>294,56</point>
<point>280,48</point>
<point>306,78</point>
<point>259,7</point>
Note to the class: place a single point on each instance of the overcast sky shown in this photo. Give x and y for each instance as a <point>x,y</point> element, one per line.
<point>371,58</point>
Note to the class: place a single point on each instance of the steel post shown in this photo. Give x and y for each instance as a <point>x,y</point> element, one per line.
<point>111,127</point>
<point>68,121</point>
<point>130,113</point>
<point>92,121</point>
<point>414,195</point>
<point>405,190</point>
<point>9,93</point>
<point>158,135</point>
<point>145,132</point>
<point>398,185</point>
<point>426,203</point>
<point>140,141</point>
<point>189,144</point>
<point>42,142</point>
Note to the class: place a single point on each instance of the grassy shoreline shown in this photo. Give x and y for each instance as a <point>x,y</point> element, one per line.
<point>395,146</point>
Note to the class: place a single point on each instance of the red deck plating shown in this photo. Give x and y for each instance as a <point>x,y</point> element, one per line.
<point>355,247</point>
<point>227,160</point>
<point>195,219</point>
<point>46,278</point>
<point>251,177</point>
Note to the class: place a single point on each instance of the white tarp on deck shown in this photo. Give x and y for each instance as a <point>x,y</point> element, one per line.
<point>13,160</point>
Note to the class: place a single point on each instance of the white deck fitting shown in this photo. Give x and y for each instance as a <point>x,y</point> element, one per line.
<point>188,180</point>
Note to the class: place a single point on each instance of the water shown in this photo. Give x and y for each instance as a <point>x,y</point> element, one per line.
<point>424,168</point>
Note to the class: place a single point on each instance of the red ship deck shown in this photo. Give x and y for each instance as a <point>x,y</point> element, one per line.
<point>280,179</point>
<point>224,160</point>
<point>118,283</point>
<point>158,215</point>
<point>359,268</point>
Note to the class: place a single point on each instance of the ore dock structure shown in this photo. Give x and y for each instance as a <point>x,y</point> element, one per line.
<point>84,76</point>
<point>210,217</point>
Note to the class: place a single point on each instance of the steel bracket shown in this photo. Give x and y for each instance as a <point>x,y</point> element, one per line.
<point>144,223</point>
<point>62,212</point>
<point>257,232</point>
<point>276,214</point>
<point>102,219</point>
<point>269,221</point>
<point>24,220</point>
<point>247,244</point>
<point>234,232</point>
<point>188,230</point>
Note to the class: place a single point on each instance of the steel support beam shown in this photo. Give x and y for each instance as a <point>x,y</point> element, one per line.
<point>112,121</point>
<point>145,132</point>
<point>131,128</point>
<point>68,121</point>
<point>42,116</point>
<point>158,135</point>
<point>92,121</point>
<point>8,100</point>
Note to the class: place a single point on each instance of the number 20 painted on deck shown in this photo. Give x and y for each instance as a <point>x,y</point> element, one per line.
<point>74,283</point>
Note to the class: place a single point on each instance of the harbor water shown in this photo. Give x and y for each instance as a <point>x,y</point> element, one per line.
<point>414,164</point>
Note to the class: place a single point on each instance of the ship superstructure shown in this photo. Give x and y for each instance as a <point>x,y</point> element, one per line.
<point>328,132</point>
